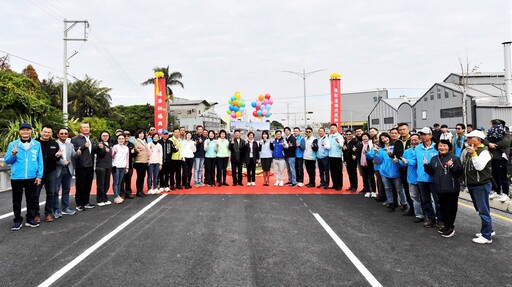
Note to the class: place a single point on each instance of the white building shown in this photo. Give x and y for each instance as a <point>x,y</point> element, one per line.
<point>191,113</point>
<point>387,113</point>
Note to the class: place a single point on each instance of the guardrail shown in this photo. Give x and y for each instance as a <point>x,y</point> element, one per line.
<point>5,181</point>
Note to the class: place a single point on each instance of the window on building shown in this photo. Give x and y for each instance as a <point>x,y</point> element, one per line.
<point>423,115</point>
<point>451,113</point>
<point>389,120</point>
<point>432,95</point>
<point>189,112</point>
<point>438,92</point>
<point>446,94</point>
<point>375,121</point>
<point>425,98</point>
<point>198,112</point>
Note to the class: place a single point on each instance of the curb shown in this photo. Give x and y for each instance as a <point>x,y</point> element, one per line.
<point>494,203</point>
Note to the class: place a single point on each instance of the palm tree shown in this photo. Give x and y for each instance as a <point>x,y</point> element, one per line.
<point>172,79</point>
<point>87,98</point>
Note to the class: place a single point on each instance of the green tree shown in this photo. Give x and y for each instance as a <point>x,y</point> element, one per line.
<point>31,73</point>
<point>171,79</point>
<point>88,98</point>
<point>11,131</point>
<point>22,96</point>
<point>97,125</point>
<point>53,89</point>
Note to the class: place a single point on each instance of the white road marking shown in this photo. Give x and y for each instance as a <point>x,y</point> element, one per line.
<point>22,210</point>
<point>367,275</point>
<point>97,245</point>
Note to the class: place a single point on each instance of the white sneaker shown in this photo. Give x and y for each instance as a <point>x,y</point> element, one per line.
<point>504,198</point>
<point>101,204</point>
<point>118,200</point>
<point>167,189</point>
<point>249,183</point>
<point>253,184</point>
<point>277,183</point>
<point>373,195</point>
<point>482,240</point>
<point>493,195</point>
<point>300,184</point>
<point>108,202</point>
<point>161,189</point>
<point>281,183</point>
<point>368,194</point>
<point>480,234</point>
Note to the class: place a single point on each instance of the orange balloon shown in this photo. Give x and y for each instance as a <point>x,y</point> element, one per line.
<point>261,97</point>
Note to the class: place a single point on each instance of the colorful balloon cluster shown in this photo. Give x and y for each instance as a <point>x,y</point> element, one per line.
<point>262,106</point>
<point>236,106</point>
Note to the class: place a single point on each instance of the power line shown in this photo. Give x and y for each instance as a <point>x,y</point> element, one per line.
<point>45,9</point>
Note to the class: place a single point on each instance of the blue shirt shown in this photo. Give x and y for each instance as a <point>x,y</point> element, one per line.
<point>278,152</point>
<point>336,147</point>
<point>27,163</point>
<point>412,175</point>
<point>421,153</point>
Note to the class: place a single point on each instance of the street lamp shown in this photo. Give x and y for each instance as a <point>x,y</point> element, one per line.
<point>304,75</point>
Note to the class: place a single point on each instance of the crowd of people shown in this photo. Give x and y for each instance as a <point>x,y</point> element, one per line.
<point>421,172</point>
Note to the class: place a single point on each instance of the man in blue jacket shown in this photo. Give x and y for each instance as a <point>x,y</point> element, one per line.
<point>299,156</point>
<point>26,160</point>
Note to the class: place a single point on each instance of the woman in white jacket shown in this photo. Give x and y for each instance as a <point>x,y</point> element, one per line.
<point>155,164</point>
<point>120,162</point>
<point>189,148</point>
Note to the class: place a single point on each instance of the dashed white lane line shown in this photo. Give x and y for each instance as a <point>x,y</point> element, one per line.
<point>97,245</point>
<point>364,271</point>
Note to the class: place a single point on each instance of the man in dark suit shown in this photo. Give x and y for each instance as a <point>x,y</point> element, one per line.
<point>84,166</point>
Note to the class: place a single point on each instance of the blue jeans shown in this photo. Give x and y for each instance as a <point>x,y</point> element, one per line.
<point>198,170</point>
<point>118,180</point>
<point>480,196</point>
<point>414,191</point>
<point>153,170</point>
<point>63,180</point>
<point>389,184</point>
<point>290,166</point>
<point>428,194</point>
<point>49,180</point>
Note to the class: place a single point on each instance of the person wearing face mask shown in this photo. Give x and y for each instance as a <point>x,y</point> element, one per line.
<point>446,168</point>
<point>103,153</point>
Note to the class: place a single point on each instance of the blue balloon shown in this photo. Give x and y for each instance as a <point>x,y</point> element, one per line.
<point>236,109</point>
<point>253,104</point>
<point>268,115</point>
<point>260,113</point>
<point>233,98</point>
<point>231,107</point>
<point>242,108</point>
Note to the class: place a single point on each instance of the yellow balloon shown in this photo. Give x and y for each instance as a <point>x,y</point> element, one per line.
<point>237,95</point>
<point>238,114</point>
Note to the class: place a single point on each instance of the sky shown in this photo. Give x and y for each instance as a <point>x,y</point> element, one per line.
<point>225,46</point>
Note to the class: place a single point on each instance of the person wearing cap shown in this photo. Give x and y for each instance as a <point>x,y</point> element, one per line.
<point>422,155</point>
<point>436,133</point>
<point>26,159</point>
<point>476,160</point>
<point>499,147</point>
<point>168,149</point>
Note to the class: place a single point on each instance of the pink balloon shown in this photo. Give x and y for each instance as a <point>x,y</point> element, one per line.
<point>233,113</point>
<point>258,103</point>
<point>233,116</point>
<point>264,112</point>
<point>270,101</point>
<point>265,101</point>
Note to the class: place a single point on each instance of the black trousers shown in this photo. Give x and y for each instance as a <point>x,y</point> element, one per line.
<point>236,171</point>
<point>499,176</point>
<point>311,170</point>
<point>165,174</point>
<point>251,170</point>
<point>142,169</point>
<point>368,176</point>
<point>403,176</point>
<point>352,173</point>
<point>29,186</point>
<point>209,170</point>
<point>222,165</point>
<point>102,183</point>
<point>176,166</point>
<point>299,169</point>
<point>323,168</point>
<point>83,183</point>
<point>380,186</point>
<point>336,168</point>
<point>449,203</point>
<point>126,187</point>
<point>187,174</point>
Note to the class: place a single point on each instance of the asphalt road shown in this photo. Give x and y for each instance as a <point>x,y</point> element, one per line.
<point>250,240</point>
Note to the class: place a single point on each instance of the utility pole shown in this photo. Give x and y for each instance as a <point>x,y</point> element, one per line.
<point>304,75</point>
<point>71,23</point>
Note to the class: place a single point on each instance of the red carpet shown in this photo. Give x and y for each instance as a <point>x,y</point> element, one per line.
<point>258,189</point>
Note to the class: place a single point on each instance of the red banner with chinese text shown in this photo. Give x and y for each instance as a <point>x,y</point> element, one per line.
<point>160,105</point>
<point>336,102</point>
